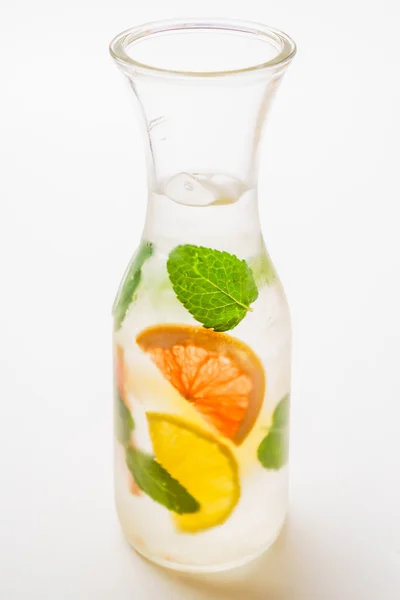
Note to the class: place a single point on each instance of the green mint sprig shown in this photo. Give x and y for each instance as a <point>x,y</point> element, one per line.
<point>147,473</point>
<point>263,270</point>
<point>273,450</point>
<point>124,423</point>
<point>216,287</point>
<point>130,283</point>
<point>157,483</point>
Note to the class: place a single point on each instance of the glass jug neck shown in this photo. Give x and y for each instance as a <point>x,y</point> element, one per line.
<point>203,128</point>
<point>202,161</point>
<point>204,89</point>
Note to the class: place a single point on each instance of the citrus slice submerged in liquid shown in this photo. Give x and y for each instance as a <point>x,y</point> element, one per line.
<point>218,374</point>
<point>205,467</point>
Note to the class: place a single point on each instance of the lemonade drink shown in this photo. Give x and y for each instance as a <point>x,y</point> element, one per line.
<point>201,324</point>
<point>202,364</point>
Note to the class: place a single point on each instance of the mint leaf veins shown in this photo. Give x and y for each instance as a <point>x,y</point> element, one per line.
<point>216,287</point>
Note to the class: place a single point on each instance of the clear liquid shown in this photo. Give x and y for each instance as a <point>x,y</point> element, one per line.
<point>232,226</point>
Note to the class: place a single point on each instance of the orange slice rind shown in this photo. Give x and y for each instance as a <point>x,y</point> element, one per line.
<point>218,374</point>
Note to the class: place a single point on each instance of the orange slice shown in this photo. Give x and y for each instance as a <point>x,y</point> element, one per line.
<point>218,374</point>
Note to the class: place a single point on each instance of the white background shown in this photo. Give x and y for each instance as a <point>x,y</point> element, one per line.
<point>72,207</point>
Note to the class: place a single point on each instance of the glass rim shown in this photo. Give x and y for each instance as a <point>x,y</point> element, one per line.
<point>118,47</point>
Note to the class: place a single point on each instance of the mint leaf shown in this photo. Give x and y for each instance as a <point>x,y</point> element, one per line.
<point>273,450</point>
<point>263,269</point>
<point>130,282</point>
<point>157,483</point>
<point>216,287</point>
<point>124,423</point>
<point>280,417</point>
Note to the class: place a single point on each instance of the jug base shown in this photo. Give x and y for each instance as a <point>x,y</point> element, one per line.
<point>209,568</point>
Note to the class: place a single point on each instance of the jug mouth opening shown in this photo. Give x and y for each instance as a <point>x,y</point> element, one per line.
<point>202,48</point>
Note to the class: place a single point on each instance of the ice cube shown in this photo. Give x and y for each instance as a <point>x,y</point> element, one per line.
<point>189,190</point>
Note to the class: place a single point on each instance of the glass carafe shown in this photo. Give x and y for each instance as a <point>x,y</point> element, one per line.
<point>202,336</point>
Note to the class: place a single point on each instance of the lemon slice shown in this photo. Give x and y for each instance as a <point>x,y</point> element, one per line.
<point>204,466</point>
